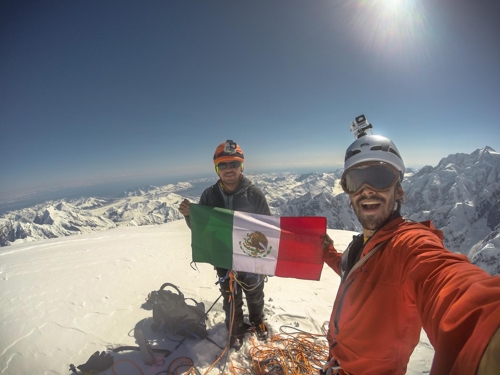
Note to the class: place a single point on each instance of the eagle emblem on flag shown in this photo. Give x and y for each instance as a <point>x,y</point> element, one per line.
<point>255,245</point>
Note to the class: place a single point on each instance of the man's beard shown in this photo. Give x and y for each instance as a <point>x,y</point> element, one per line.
<point>374,221</point>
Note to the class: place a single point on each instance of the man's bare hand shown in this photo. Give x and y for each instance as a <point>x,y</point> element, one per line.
<point>326,242</point>
<point>184,207</point>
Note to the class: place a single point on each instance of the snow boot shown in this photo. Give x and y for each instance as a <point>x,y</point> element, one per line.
<point>236,340</point>
<point>260,330</point>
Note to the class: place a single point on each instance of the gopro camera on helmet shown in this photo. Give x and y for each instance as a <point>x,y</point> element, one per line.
<point>230,147</point>
<point>360,127</point>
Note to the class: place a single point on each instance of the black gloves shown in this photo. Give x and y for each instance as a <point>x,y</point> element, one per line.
<point>97,363</point>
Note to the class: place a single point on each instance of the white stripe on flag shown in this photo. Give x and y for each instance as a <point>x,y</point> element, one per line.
<point>246,256</point>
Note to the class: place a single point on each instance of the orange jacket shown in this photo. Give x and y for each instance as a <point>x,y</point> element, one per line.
<point>411,282</point>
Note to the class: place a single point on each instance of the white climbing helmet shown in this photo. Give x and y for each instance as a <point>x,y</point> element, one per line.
<point>373,148</point>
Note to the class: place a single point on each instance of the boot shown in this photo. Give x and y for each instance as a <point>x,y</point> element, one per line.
<point>260,330</point>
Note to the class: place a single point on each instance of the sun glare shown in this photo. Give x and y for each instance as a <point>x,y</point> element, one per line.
<point>393,29</point>
<point>395,5</point>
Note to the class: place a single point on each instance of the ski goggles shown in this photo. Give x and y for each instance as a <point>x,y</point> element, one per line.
<point>225,165</point>
<point>378,176</point>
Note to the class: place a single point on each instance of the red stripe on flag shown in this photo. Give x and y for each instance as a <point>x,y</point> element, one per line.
<point>300,247</point>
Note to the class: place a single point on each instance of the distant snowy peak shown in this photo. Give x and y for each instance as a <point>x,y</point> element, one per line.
<point>488,151</point>
<point>461,195</point>
<point>156,207</point>
<point>55,219</point>
<point>89,203</point>
<point>487,155</point>
<point>457,195</point>
<point>155,190</point>
<point>486,254</point>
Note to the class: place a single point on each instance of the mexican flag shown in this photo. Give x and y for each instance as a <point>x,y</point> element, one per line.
<point>267,245</point>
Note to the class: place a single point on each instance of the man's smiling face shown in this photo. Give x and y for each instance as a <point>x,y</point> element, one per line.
<point>373,208</point>
<point>230,176</point>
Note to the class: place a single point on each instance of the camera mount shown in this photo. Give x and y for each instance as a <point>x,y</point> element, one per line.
<point>360,127</point>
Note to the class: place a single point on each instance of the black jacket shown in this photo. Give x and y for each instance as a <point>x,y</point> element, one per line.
<point>247,198</point>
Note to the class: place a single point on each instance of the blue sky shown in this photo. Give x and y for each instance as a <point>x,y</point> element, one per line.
<point>95,91</point>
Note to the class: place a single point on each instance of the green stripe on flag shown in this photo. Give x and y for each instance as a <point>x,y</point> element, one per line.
<point>212,235</point>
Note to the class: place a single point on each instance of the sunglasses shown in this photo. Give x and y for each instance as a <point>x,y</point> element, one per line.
<point>232,165</point>
<point>378,176</point>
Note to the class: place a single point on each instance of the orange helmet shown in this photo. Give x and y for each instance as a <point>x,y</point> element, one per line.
<point>228,151</point>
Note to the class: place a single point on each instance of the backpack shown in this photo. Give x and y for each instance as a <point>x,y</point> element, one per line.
<point>171,313</point>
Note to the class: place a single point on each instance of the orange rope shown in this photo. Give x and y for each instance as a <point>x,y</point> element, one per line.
<point>183,362</point>
<point>231,298</point>
<point>298,353</point>
<point>290,354</point>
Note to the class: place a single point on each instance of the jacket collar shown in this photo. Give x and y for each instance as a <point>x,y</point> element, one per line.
<point>397,226</point>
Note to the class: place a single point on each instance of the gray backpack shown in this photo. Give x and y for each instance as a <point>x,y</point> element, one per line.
<point>171,313</point>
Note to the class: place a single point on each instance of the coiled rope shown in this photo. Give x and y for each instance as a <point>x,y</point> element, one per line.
<point>290,353</point>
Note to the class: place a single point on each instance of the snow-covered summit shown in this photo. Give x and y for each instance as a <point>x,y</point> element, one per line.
<point>461,195</point>
<point>63,299</point>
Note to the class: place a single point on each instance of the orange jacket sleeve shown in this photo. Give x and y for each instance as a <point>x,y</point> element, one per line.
<point>332,257</point>
<point>459,303</point>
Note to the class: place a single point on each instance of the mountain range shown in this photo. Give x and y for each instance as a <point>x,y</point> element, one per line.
<point>461,195</point>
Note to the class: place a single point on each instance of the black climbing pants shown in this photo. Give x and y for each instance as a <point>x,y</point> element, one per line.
<point>253,286</point>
